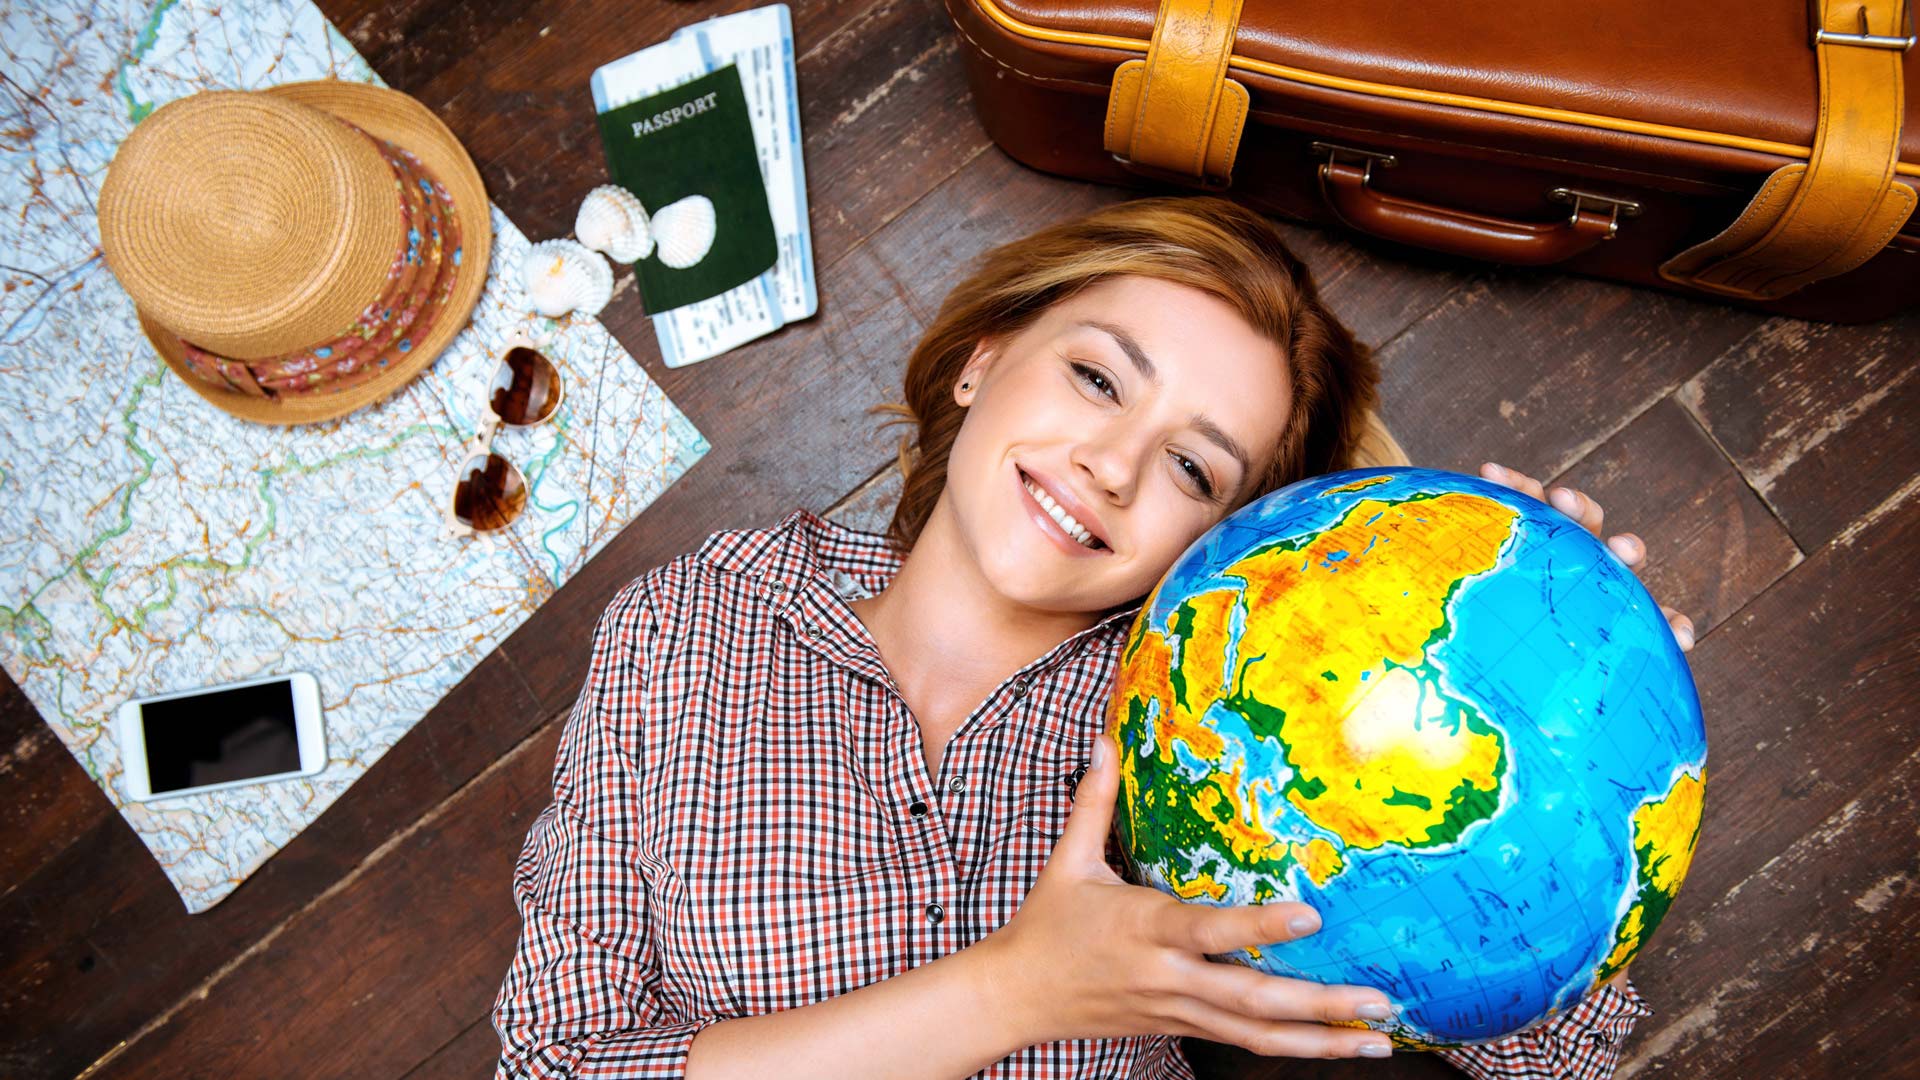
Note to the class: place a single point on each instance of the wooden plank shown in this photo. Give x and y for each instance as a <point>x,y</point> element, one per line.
<point>1810,965</point>
<point>375,978</point>
<point>1377,295</point>
<point>50,798</point>
<point>1818,417</point>
<point>888,117</point>
<point>990,200</point>
<point>409,42</point>
<point>1808,694</point>
<point>870,506</point>
<point>99,941</point>
<point>993,200</point>
<point>1534,371</point>
<point>1793,938</point>
<point>472,1054</point>
<point>1712,545</point>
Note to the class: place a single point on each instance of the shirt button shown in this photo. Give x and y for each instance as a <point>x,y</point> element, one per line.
<point>935,913</point>
<point>918,809</point>
<point>813,632</point>
<point>1020,689</point>
<point>1073,779</point>
<point>957,785</point>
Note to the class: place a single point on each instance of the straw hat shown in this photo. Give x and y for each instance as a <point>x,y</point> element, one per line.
<point>290,267</point>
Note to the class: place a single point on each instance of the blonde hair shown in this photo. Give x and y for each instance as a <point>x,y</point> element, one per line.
<point>1205,242</point>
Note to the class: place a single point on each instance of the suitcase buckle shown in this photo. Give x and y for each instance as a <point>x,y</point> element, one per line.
<point>1580,199</point>
<point>1334,150</point>
<point>1822,36</point>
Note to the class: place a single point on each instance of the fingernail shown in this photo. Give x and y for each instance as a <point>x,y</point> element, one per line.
<point>1375,1049</point>
<point>1684,636</point>
<point>1303,925</point>
<point>1374,1010</point>
<point>1496,469</point>
<point>1565,500</point>
<point>1099,751</point>
<point>1621,546</point>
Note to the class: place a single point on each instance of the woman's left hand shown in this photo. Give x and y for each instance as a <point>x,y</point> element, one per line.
<point>1584,510</point>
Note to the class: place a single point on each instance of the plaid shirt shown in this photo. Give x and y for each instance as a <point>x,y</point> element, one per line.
<point>743,823</point>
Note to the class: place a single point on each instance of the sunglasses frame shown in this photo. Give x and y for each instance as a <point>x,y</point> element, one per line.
<point>490,424</point>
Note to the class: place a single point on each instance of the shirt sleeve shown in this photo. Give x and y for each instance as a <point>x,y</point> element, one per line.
<point>582,996</point>
<point>1583,1043</point>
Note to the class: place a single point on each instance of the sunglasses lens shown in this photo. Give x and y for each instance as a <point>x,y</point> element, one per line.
<point>526,389</point>
<point>490,493</point>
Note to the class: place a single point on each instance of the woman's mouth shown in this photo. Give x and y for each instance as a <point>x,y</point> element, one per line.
<point>1066,533</point>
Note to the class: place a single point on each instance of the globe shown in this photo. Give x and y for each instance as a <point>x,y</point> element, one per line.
<point>1437,710</point>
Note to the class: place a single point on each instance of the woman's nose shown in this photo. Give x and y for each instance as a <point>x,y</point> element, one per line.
<point>1110,463</point>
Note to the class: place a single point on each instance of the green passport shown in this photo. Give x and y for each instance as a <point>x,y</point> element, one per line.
<point>694,139</point>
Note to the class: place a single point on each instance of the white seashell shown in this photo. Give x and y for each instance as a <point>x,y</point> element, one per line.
<point>612,220</point>
<point>561,276</point>
<point>684,231</point>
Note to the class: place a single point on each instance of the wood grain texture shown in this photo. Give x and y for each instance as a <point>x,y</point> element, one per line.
<point>470,1055</point>
<point>99,941</point>
<point>1534,371</point>
<point>1820,419</point>
<point>373,979</point>
<point>1712,545</point>
<point>50,797</point>
<point>1791,949</point>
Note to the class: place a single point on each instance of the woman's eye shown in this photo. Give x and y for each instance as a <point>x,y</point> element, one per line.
<point>1199,475</point>
<point>1094,379</point>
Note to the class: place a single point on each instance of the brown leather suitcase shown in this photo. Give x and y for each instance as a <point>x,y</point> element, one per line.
<point>1755,153</point>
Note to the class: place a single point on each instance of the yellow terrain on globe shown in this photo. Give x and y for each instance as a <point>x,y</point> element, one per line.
<point>1664,832</point>
<point>1381,753</point>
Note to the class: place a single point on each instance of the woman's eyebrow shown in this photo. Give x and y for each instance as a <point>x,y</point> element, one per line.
<point>1135,353</point>
<point>1200,422</point>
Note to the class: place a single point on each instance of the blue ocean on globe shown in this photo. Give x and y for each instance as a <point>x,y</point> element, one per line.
<point>1437,710</point>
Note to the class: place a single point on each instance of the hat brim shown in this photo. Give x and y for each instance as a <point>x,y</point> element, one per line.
<point>399,119</point>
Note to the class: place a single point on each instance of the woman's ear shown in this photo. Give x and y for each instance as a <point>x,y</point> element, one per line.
<point>971,374</point>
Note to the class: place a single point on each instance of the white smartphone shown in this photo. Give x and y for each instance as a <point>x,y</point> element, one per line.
<point>222,736</point>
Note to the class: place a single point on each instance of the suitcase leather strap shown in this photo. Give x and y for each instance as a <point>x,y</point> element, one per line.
<point>1827,215</point>
<point>1176,114</point>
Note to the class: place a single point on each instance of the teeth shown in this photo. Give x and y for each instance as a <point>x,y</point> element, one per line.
<point>1061,517</point>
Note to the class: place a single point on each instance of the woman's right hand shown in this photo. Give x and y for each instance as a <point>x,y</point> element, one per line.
<point>1090,956</point>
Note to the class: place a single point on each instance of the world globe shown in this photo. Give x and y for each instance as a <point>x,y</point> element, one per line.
<point>1437,710</point>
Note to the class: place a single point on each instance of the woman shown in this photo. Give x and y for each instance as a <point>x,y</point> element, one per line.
<point>814,812</point>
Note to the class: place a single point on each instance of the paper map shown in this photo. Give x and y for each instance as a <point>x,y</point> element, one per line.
<point>150,542</point>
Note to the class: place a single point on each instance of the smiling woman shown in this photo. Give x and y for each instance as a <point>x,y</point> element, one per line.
<point>835,803</point>
<point>1210,283</point>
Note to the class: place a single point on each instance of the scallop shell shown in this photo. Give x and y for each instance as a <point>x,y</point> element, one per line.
<point>562,275</point>
<point>613,221</point>
<point>684,231</point>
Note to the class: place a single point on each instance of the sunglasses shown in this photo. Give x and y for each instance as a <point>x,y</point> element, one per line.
<point>491,492</point>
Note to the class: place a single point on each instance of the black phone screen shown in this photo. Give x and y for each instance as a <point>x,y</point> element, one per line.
<point>211,738</point>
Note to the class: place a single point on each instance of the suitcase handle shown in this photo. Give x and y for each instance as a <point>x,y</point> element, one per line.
<point>1345,186</point>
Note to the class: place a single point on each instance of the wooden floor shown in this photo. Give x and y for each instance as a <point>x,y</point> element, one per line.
<point>1770,464</point>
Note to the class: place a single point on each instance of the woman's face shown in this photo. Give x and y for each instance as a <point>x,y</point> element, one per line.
<point>1142,408</point>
